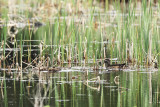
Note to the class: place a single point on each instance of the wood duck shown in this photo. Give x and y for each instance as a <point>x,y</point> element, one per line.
<point>54,69</point>
<point>50,69</point>
<point>113,66</point>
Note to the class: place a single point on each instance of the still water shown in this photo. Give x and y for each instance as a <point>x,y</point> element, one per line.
<point>80,88</point>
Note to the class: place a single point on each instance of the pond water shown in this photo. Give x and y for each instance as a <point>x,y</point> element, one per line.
<point>80,88</point>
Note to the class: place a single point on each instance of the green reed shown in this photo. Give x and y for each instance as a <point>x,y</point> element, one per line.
<point>130,36</point>
<point>4,36</point>
<point>5,94</point>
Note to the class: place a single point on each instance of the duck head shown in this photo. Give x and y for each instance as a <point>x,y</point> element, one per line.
<point>107,62</point>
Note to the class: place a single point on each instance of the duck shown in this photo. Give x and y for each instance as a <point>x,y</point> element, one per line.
<point>54,69</point>
<point>113,66</point>
<point>50,69</point>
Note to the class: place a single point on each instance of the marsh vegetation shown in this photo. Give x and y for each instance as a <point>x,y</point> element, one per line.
<point>62,53</point>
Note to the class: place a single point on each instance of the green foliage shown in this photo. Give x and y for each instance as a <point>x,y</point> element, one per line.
<point>86,38</point>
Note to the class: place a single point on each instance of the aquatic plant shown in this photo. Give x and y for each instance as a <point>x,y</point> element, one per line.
<point>74,35</point>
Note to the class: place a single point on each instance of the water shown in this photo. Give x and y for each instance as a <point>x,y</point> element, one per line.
<point>80,88</point>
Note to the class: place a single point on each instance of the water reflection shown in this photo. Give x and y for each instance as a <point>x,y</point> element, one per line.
<point>80,88</point>
<point>40,94</point>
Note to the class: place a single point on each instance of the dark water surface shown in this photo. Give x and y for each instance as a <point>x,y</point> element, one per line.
<point>80,88</point>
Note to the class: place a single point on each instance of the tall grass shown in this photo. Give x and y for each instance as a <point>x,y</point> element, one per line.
<point>131,34</point>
